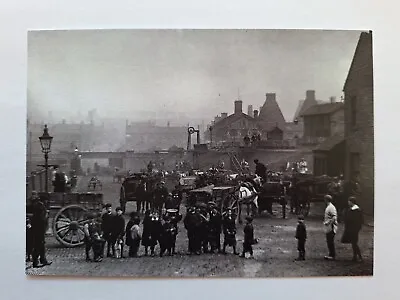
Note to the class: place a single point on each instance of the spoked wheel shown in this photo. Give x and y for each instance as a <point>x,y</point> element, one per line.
<point>68,225</point>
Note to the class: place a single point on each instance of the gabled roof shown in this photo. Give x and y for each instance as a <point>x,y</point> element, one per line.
<point>271,115</point>
<point>364,44</point>
<point>323,109</point>
<point>330,143</point>
<point>301,108</point>
<point>232,118</point>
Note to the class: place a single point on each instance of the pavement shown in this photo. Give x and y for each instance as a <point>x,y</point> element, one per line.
<point>273,255</point>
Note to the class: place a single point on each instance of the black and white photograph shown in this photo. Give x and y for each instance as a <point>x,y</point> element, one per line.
<point>211,153</point>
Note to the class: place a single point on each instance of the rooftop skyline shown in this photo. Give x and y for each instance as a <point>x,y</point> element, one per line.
<point>125,73</point>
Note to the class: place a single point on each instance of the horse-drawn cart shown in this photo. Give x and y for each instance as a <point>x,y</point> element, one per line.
<point>68,212</point>
<point>307,189</point>
<point>132,188</point>
<point>224,196</point>
<point>272,192</point>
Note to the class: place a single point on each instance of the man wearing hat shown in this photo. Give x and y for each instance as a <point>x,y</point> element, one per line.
<point>39,225</point>
<point>106,227</point>
<point>160,196</point>
<point>248,237</point>
<point>214,227</point>
<point>330,223</point>
<point>261,170</point>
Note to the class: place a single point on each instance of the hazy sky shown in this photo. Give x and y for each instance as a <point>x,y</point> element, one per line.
<point>121,72</point>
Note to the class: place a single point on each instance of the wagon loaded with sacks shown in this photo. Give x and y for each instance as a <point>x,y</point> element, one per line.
<point>68,213</point>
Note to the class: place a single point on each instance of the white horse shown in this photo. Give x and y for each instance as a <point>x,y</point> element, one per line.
<point>247,196</point>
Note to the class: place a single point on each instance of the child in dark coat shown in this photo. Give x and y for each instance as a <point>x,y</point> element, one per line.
<point>301,236</point>
<point>248,238</point>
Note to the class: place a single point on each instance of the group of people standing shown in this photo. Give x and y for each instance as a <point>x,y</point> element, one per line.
<point>204,225</point>
<point>353,222</point>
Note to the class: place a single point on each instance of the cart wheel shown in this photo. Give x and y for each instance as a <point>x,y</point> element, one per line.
<point>68,225</point>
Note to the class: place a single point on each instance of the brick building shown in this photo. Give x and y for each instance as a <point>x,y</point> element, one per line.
<point>322,121</point>
<point>359,121</point>
<point>235,127</point>
<point>147,136</point>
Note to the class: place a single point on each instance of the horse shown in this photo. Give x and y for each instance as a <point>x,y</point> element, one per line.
<point>248,196</point>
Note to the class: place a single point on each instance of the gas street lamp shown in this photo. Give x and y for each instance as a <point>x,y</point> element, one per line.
<point>45,143</point>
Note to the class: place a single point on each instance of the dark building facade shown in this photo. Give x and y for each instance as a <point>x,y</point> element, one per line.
<point>359,120</point>
<point>322,121</point>
<point>329,157</point>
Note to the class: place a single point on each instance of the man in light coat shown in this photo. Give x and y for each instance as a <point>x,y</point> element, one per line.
<point>330,223</point>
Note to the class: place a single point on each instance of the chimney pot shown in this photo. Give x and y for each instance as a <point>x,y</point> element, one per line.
<point>238,106</point>
<point>270,97</point>
<point>250,110</point>
<point>310,95</point>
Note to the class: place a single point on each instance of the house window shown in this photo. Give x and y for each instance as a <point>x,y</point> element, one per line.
<point>353,108</point>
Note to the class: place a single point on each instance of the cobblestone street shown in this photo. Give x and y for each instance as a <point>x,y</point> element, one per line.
<point>273,256</point>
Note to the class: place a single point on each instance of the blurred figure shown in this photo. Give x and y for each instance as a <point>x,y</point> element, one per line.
<point>301,236</point>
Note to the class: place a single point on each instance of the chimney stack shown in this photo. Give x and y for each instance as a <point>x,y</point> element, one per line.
<point>238,106</point>
<point>332,99</point>
<point>250,110</point>
<point>270,97</point>
<point>310,95</point>
<point>255,113</point>
<point>224,115</point>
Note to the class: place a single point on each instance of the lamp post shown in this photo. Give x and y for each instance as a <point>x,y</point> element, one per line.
<point>45,143</point>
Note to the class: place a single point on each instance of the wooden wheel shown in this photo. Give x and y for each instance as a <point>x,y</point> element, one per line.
<point>68,225</point>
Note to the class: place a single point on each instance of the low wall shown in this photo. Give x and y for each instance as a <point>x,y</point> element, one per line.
<point>275,159</point>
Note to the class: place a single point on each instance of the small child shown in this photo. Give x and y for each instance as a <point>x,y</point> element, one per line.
<point>93,240</point>
<point>248,238</point>
<point>301,236</point>
<point>134,235</point>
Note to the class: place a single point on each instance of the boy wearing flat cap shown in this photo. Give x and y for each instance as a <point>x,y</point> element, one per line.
<point>301,236</point>
<point>248,237</point>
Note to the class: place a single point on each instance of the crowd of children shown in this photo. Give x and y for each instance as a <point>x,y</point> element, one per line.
<point>204,226</point>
